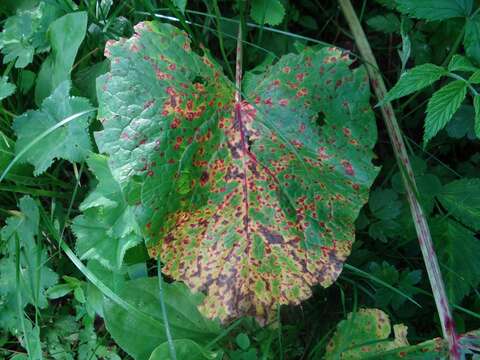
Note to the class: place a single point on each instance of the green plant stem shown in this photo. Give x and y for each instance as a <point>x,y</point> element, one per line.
<point>401,155</point>
<point>168,333</point>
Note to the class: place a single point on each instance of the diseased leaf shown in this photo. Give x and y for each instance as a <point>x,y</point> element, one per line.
<point>442,106</point>
<point>267,12</point>
<point>24,34</point>
<point>253,202</point>
<point>365,335</point>
<point>461,198</point>
<point>457,249</point>
<point>362,334</point>
<point>107,229</point>
<point>65,36</point>
<point>435,9</point>
<point>139,338</point>
<point>70,142</point>
<point>6,88</point>
<point>414,80</point>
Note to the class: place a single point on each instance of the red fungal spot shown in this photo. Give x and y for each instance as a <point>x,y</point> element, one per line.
<point>348,168</point>
<point>287,69</point>
<point>175,123</point>
<point>300,76</point>
<point>204,178</point>
<point>150,173</point>
<point>356,187</point>
<point>148,226</point>
<point>268,101</point>
<point>148,103</point>
<point>172,67</point>
<point>283,102</point>
<point>257,100</point>
<point>276,82</point>
<point>301,92</point>
<point>347,131</point>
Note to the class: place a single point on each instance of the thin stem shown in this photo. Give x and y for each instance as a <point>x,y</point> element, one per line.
<point>238,67</point>
<point>401,155</point>
<point>168,333</point>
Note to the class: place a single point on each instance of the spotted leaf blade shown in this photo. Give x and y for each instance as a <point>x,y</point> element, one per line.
<point>252,203</point>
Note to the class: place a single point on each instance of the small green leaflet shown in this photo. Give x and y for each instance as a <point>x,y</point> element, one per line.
<point>461,198</point>
<point>388,23</point>
<point>25,34</point>
<point>6,88</point>
<point>415,79</point>
<point>107,228</point>
<point>253,202</point>
<point>435,9</point>
<point>70,141</point>
<point>65,36</point>
<point>461,63</point>
<point>180,4</point>
<point>269,12</point>
<point>442,106</point>
<point>457,250</point>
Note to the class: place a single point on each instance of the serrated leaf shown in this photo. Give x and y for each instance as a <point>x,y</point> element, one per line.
<point>461,63</point>
<point>476,105</point>
<point>65,36</point>
<point>139,338</point>
<point>6,88</point>
<point>269,12</point>
<point>107,229</point>
<point>461,198</point>
<point>442,106</point>
<point>474,78</point>
<point>414,80</point>
<point>457,250</point>
<point>435,9</point>
<point>470,40</point>
<point>364,333</point>
<point>24,34</point>
<point>239,198</point>
<point>70,142</point>
<point>388,23</point>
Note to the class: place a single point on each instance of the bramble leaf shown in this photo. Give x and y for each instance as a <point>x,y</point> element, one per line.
<point>253,202</point>
<point>461,63</point>
<point>388,23</point>
<point>435,9</point>
<point>414,80</point>
<point>470,41</point>
<point>70,141</point>
<point>457,250</point>
<point>269,12</point>
<point>107,229</point>
<point>461,198</point>
<point>25,34</point>
<point>442,106</point>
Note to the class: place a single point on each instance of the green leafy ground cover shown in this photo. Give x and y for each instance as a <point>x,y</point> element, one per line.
<point>149,213</point>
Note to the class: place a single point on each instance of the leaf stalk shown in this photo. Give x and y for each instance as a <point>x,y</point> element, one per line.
<point>401,155</point>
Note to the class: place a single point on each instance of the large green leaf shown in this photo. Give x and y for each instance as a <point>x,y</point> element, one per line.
<point>139,338</point>
<point>65,36</point>
<point>70,142</point>
<point>184,349</point>
<point>253,202</point>
<point>107,229</point>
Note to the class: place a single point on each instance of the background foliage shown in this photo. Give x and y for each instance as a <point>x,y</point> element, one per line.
<point>61,194</point>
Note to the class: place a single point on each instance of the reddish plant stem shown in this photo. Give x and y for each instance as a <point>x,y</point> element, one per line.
<point>419,218</point>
